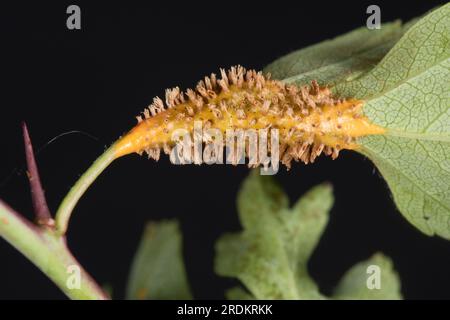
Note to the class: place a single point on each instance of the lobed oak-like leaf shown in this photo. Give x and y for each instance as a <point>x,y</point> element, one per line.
<point>271,254</point>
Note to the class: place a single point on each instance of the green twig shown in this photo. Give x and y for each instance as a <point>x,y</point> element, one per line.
<point>42,243</point>
<point>68,204</point>
<point>49,253</point>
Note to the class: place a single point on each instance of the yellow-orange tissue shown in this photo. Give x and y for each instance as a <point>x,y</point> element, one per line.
<point>309,119</point>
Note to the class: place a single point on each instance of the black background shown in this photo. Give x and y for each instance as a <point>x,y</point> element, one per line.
<point>98,78</point>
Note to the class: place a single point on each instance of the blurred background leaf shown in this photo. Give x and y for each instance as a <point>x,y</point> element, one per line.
<point>353,284</point>
<point>158,270</point>
<point>270,256</point>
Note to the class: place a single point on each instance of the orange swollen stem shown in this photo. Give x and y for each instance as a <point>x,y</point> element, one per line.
<point>309,119</point>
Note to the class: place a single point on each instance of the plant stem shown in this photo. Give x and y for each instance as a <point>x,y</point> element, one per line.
<point>49,253</point>
<point>68,204</point>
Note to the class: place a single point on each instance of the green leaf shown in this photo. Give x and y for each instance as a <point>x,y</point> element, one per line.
<point>403,75</point>
<point>237,293</point>
<point>408,93</point>
<point>158,271</point>
<point>270,256</point>
<point>354,284</point>
<point>341,58</point>
<point>267,255</point>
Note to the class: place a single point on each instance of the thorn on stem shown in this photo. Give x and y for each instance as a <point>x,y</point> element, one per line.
<point>41,210</point>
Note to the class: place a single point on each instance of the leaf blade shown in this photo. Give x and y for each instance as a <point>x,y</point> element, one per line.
<point>409,95</point>
<point>406,89</point>
<point>265,256</point>
<point>335,60</point>
<point>354,284</point>
<point>271,254</point>
<point>158,271</point>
